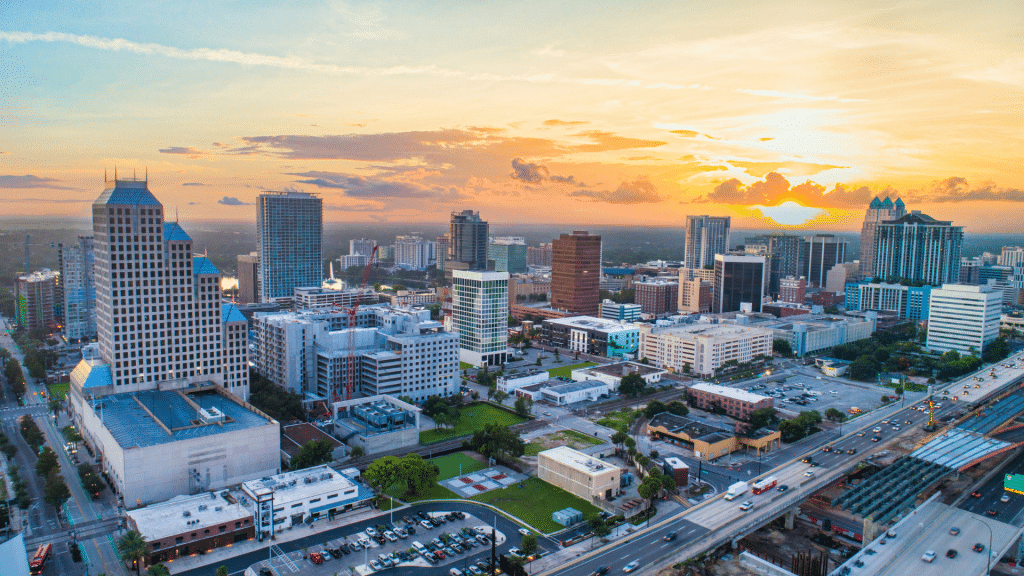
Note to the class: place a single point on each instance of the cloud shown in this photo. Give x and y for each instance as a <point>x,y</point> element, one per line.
<point>565,122</point>
<point>47,200</point>
<point>640,191</point>
<point>775,190</point>
<point>30,181</point>
<point>186,151</point>
<point>367,187</point>
<point>792,96</point>
<point>957,189</point>
<point>605,141</point>
<point>232,201</point>
<point>193,184</point>
<point>528,172</point>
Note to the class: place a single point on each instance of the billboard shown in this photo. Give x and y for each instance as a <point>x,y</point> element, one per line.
<point>1014,483</point>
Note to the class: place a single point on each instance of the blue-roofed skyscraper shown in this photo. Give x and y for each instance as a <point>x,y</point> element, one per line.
<point>290,242</point>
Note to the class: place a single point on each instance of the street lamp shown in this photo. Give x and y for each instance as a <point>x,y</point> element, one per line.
<point>988,557</point>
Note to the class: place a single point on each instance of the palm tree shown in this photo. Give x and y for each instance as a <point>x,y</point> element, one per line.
<point>161,570</point>
<point>132,547</point>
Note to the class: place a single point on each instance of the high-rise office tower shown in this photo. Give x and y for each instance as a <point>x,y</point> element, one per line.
<point>508,254</point>
<point>467,240</point>
<point>290,229</point>
<point>361,246</point>
<point>918,248</point>
<point>705,237</point>
<point>576,273</point>
<point>159,315</point>
<point>480,316</point>
<point>442,251</point>
<point>248,278</point>
<point>79,288</point>
<point>539,256</point>
<point>788,257</point>
<point>739,283</point>
<point>878,211</point>
<point>1012,256</point>
<point>414,253</point>
<point>823,252</point>
<point>36,300</point>
<point>963,318</point>
<point>657,297</point>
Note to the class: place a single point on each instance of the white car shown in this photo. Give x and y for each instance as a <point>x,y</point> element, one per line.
<point>747,505</point>
<point>364,541</point>
<point>426,524</point>
<point>631,566</point>
<point>371,533</point>
<point>928,556</point>
<point>390,536</point>
<point>524,531</point>
<point>1005,498</point>
<point>876,429</point>
<point>515,552</point>
<point>809,473</point>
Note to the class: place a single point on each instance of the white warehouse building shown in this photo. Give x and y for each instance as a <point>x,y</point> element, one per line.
<point>963,318</point>
<point>303,497</point>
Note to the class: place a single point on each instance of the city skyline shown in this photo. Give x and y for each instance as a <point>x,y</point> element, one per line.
<point>795,115</point>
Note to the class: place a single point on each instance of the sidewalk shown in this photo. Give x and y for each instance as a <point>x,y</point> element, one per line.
<point>14,513</point>
<point>219,555</point>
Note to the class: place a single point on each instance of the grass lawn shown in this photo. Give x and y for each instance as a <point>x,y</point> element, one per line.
<point>535,502</point>
<point>617,420</point>
<point>59,391</point>
<point>582,437</point>
<point>450,464</point>
<point>472,418</point>
<point>435,492</point>
<point>533,448</point>
<point>464,366</point>
<point>566,371</point>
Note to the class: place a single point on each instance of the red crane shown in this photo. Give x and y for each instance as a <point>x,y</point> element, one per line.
<point>350,373</point>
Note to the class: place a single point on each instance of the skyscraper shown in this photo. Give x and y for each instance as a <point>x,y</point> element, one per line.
<point>963,318</point>
<point>705,237</point>
<point>442,251</point>
<point>576,273</point>
<point>788,257</point>
<point>539,256</point>
<point>823,252</point>
<point>36,302</point>
<point>918,248</point>
<point>467,240</point>
<point>508,254</point>
<point>361,246</point>
<point>739,281</point>
<point>79,288</point>
<point>248,278</point>
<point>414,253</point>
<point>159,315</point>
<point>290,230</point>
<point>878,211</point>
<point>480,316</point>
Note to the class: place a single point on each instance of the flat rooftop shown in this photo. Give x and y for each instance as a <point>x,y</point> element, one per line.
<point>734,393</point>
<point>576,386</point>
<point>306,484</point>
<point>704,330</point>
<point>577,460</point>
<point>592,323</point>
<point>958,448</point>
<point>179,515</point>
<point>695,429</point>
<point>615,369</point>
<point>151,417</point>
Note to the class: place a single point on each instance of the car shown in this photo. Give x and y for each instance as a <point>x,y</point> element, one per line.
<point>826,449</point>
<point>410,529</point>
<point>401,533</point>
<point>815,464</point>
<point>458,548</point>
<point>391,536</point>
<point>439,554</point>
<point>991,512</point>
<point>1004,498</point>
<point>975,494</point>
<point>377,566</point>
<point>783,488</point>
<point>361,543</point>
<point>954,531</point>
<point>426,524</point>
<point>524,531</point>
<point>408,520</point>
<point>851,451</point>
<point>876,438</point>
<point>422,515</point>
<point>381,540</point>
<point>326,555</point>
<point>886,421</point>
<point>860,433</point>
<point>547,413</point>
<point>631,566</point>
<point>455,572</point>
<point>950,553</point>
<point>747,505</point>
<point>449,551</point>
<point>437,521</point>
<point>601,571</point>
<point>809,473</point>
<point>482,539</point>
<point>386,561</point>
<point>516,552</point>
<point>928,556</point>
<point>876,429</point>
<point>316,558</point>
<point>806,459</point>
<point>371,533</point>
<point>896,428</point>
<point>475,571</point>
<point>978,547</point>
<point>670,537</point>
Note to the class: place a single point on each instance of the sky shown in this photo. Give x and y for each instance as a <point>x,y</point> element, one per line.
<point>781,114</point>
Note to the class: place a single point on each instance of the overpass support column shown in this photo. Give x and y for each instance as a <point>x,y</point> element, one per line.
<point>791,517</point>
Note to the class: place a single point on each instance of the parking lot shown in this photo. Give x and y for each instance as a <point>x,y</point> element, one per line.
<point>444,540</point>
<point>798,391</point>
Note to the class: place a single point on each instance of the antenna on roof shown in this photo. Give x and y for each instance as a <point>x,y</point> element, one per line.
<point>147,173</point>
<point>104,173</point>
<point>115,172</point>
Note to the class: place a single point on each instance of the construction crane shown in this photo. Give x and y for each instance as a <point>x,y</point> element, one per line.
<point>350,372</point>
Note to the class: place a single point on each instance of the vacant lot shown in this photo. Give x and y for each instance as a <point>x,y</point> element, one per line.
<point>59,391</point>
<point>535,502</point>
<point>570,438</point>
<point>618,420</point>
<point>566,371</point>
<point>471,419</point>
<point>454,464</point>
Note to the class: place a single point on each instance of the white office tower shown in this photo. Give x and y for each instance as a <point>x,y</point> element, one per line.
<point>705,237</point>
<point>415,253</point>
<point>480,316</point>
<point>963,318</point>
<point>77,262</point>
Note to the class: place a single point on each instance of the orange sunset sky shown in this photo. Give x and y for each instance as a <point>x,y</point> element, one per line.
<point>785,114</point>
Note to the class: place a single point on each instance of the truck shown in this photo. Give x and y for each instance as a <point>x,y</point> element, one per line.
<point>736,490</point>
<point>764,485</point>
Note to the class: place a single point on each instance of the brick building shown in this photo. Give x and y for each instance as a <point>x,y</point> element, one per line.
<point>656,297</point>
<point>737,403</point>
<point>576,273</point>
<point>793,289</point>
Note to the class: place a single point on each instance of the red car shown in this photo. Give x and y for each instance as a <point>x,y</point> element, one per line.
<point>316,558</point>
<point>975,494</point>
<point>439,554</point>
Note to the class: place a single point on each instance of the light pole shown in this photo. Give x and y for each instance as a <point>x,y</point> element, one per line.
<point>988,553</point>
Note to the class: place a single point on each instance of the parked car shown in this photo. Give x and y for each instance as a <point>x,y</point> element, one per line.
<point>316,558</point>
<point>426,524</point>
<point>385,561</point>
<point>391,536</point>
<point>377,566</point>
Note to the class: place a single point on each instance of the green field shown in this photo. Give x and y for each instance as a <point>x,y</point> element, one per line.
<point>566,371</point>
<point>532,449</point>
<point>464,366</point>
<point>617,420</point>
<point>450,465</point>
<point>535,502</point>
<point>472,418</point>
<point>59,391</point>
<point>435,492</point>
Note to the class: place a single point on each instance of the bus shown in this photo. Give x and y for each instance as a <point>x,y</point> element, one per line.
<point>765,485</point>
<point>39,560</point>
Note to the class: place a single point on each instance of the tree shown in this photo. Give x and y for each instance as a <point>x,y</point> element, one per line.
<point>885,398</point>
<point>276,402</point>
<point>222,571</point>
<point>132,547</point>
<point>357,451</point>
<point>782,347</point>
<point>996,350</point>
<point>599,528</point>
<point>406,476</point>
<point>46,462</point>
<point>630,443</point>
<point>761,417</point>
<point>93,484</point>
<point>668,483</point>
<point>654,454</point>
<point>678,408</point>
<point>529,544</point>
<point>71,434</point>
<point>864,368</point>
<point>500,396</point>
<point>619,438</point>
<point>835,415</point>
<point>654,407</point>
<point>313,453</point>
<point>490,392</point>
<point>55,406</point>
<point>632,385</point>
<point>523,406</point>
<point>55,491</point>
<point>161,570</point>
<point>498,441</point>
<point>650,487</point>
